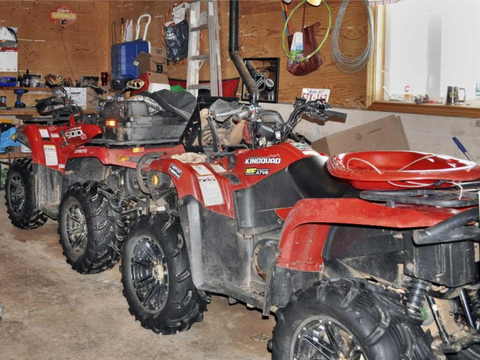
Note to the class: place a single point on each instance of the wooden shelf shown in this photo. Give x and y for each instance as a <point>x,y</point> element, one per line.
<point>32,112</point>
<point>6,88</point>
<point>15,155</point>
<point>426,109</point>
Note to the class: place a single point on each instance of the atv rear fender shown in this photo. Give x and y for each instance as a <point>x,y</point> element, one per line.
<point>307,225</point>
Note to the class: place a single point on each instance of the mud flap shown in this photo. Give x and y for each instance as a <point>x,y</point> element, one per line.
<point>49,187</point>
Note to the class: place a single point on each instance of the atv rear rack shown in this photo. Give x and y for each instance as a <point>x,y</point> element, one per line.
<point>466,196</point>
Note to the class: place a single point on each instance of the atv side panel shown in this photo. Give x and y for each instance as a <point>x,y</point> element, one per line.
<point>215,252</point>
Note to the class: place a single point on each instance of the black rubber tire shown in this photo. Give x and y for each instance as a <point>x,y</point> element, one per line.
<point>375,318</point>
<point>183,305</point>
<point>105,229</point>
<point>29,217</point>
<point>472,353</point>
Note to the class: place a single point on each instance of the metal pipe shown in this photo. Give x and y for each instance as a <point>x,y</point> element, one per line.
<point>237,58</point>
<point>233,38</point>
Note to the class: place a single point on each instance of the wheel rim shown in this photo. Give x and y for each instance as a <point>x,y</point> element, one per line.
<point>16,192</point>
<point>76,227</point>
<point>149,275</point>
<point>322,338</point>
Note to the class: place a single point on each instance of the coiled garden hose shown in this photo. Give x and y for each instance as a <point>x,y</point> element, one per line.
<point>351,65</point>
<point>286,50</point>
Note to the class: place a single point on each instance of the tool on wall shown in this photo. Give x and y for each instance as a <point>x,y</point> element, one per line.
<point>204,20</point>
<point>347,64</point>
<point>122,30</point>
<point>304,42</point>
<point>19,93</point>
<point>129,29</point>
<point>285,15</point>
<point>114,32</point>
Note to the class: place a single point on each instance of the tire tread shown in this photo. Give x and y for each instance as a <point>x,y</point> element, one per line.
<point>32,218</point>
<point>103,212</point>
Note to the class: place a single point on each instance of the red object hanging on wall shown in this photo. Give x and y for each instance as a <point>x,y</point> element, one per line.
<point>63,15</point>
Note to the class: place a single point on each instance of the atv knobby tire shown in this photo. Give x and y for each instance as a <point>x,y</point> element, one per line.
<point>472,353</point>
<point>341,311</point>
<point>20,196</point>
<point>156,276</point>
<point>90,227</point>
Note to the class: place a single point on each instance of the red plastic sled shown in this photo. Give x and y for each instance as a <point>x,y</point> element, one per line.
<point>398,170</point>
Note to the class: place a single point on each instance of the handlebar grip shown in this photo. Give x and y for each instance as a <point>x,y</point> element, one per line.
<point>460,145</point>
<point>336,114</point>
<point>244,113</point>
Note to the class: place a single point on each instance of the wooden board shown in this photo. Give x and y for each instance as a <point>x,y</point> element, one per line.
<point>29,112</point>
<point>260,34</point>
<point>45,47</point>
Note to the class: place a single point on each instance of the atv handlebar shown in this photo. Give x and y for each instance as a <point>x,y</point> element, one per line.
<point>317,111</point>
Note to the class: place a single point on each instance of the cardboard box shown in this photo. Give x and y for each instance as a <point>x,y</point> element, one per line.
<point>155,62</point>
<point>154,82</point>
<point>86,98</point>
<point>383,134</point>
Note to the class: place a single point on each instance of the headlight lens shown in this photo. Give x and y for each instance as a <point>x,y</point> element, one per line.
<point>155,180</point>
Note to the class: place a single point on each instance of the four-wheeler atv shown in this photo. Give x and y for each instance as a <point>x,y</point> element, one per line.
<point>83,169</point>
<point>360,256</point>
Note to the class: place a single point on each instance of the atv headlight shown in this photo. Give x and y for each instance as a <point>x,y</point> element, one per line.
<point>155,180</point>
<point>111,123</point>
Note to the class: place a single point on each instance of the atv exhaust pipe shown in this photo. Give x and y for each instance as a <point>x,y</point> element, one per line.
<point>250,84</point>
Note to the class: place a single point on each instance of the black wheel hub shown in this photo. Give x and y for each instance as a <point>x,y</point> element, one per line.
<point>76,226</point>
<point>322,338</point>
<point>150,275</point>
<point>16,193</point>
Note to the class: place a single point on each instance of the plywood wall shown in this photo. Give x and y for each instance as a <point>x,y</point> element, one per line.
<point>84,47</point>
<point>79,49</point>
<point>260,32</point>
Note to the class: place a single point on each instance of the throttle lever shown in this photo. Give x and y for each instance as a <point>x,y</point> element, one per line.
<point>65,140</point>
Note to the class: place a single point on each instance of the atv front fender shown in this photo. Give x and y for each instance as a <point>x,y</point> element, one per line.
<point>307,225</point>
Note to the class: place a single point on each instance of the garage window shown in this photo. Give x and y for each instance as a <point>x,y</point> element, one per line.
<point>430,45</point>
<point>425,46</point>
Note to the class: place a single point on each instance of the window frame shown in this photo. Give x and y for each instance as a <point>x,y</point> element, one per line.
<point>376,79</point>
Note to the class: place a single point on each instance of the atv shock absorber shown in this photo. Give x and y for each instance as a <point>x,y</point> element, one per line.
<point>470,300</point>
<point>416,291</point>
<point>473,296</point>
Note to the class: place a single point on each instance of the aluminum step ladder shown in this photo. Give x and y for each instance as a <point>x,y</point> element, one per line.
<point>204,20</point>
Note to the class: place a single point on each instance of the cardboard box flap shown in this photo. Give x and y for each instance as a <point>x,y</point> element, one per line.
<point>151,63</point>
<point>383,134</point>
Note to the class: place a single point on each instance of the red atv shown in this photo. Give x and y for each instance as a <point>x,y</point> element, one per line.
<point>83,169</point>
<point>360,256</point>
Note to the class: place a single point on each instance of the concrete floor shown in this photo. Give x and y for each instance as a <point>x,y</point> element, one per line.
<point>53,312</point>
